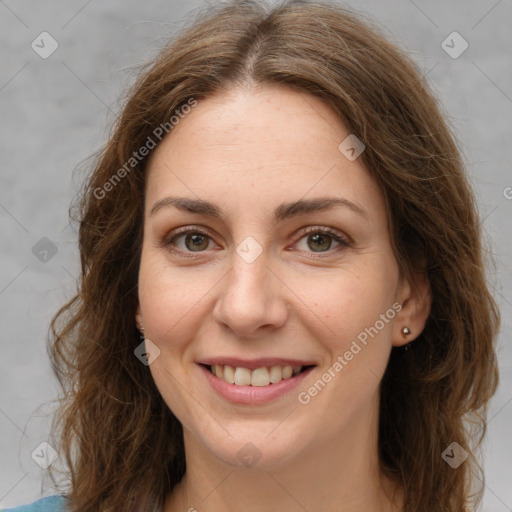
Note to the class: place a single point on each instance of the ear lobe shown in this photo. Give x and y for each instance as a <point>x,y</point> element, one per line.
<point>416,301</point>
<point>138,318</point>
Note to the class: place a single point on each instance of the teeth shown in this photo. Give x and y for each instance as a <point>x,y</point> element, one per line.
<point>287,372</point>
<point>217,370</point>
<point>258,377</point>
<point>229,374</point>
<point>242,377</point>
<point>276,374</point>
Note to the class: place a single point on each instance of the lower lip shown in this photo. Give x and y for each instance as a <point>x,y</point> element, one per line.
<point>253,394</point>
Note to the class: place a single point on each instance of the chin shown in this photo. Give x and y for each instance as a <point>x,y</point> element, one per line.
<point>257,450</point>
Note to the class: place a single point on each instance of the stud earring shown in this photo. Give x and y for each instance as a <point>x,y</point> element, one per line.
<point>406,331</point>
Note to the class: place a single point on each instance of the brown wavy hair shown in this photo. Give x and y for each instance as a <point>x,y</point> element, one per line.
<point>123,446</point>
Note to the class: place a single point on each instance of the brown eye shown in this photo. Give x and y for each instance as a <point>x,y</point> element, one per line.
<point>188,241</point>
<point>319,242</point>
<point>196,241</point>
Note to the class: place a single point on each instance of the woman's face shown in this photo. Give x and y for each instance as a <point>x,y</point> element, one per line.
<point>255,278</point>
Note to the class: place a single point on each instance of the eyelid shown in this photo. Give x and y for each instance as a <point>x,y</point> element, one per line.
<point>187,229</point>
<point>343,238</point>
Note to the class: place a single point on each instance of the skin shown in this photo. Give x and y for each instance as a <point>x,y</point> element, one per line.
<point>249,150</point>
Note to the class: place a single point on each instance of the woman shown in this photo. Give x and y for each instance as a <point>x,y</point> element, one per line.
<point>282,215</point>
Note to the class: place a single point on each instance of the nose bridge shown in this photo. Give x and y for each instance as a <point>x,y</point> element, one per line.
<point>251,295</point>
<point>249,268</point>
<point>249,276</point>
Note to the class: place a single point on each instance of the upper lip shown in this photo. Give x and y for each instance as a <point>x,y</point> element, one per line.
<point>252,364</point>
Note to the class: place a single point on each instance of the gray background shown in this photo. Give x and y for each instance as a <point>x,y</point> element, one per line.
<point>56,113</point>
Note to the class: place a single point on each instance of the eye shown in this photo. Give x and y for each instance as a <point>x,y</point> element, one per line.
<point>315,239</point>
<point>189,239</point>
<point>320,240</point>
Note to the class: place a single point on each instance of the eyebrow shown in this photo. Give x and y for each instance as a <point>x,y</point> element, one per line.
<point>282,212</point>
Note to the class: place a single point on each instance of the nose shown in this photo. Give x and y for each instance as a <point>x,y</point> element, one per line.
<point>251,300</point>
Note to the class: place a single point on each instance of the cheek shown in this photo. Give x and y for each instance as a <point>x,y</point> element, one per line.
<point>169,301</point>
<point>356,305</point>
<point>165,296</point>
<point>355,314</point>
<point>175,303</point>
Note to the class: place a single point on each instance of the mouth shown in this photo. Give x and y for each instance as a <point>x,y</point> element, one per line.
<point>257,377</point>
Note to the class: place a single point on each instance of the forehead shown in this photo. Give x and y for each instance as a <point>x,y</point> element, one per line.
<point>258,148</point>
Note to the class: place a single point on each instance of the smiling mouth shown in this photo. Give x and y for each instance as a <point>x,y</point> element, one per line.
<point>264,376</point>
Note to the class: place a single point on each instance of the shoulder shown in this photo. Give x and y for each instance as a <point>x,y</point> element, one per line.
<point>56,503</point>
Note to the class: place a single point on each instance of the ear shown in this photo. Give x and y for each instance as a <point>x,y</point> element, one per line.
<point>138,318</point>
<point>415,296</point>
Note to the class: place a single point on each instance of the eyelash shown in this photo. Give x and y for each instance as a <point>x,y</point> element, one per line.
<point>168,242</point>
